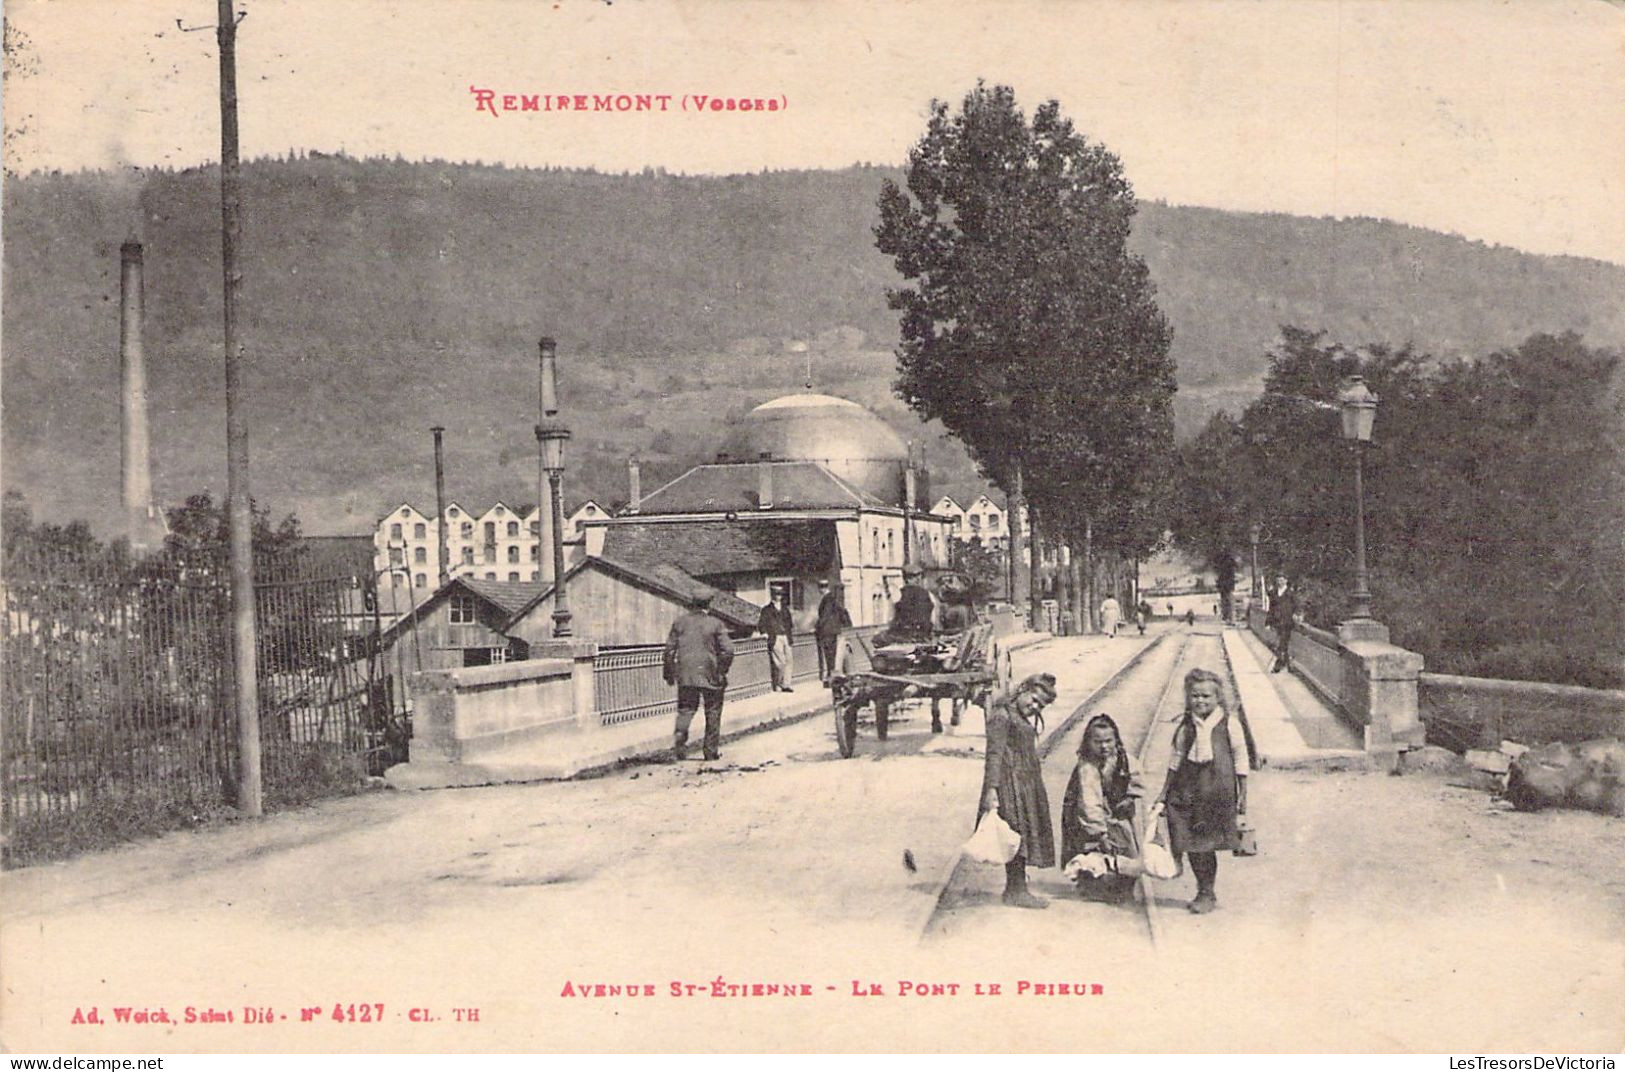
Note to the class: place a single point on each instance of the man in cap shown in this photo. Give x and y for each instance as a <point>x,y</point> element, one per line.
<point>697,659</point>
<point>915,608</point>
<point>832,618</point>
<point>1281,617</point>
<point>778,626</point>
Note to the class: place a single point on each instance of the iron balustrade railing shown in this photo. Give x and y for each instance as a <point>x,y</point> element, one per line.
<point>629,683</point>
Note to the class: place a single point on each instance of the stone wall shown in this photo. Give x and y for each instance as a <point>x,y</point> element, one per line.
<point>1477,712</point>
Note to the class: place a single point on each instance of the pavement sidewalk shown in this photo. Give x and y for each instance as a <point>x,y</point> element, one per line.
<point>1291,725</point>
<point>572,752</point>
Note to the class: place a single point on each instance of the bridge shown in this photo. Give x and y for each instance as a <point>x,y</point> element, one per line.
<point>1376,901</point>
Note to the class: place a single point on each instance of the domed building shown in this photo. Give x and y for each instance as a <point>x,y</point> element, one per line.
<point>846,439</point>
<point>804,487</point>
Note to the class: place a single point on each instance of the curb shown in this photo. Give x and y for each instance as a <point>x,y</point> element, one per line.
<point>1328,759</point>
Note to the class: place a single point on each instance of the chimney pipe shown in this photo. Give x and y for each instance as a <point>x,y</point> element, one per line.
<point>634,481</point>
<point>764,481</point>
<point>441,539</point>
<point>550,384</point>
<point>141,524</point>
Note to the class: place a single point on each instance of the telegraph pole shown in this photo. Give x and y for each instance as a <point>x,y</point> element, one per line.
<point>239,511</point>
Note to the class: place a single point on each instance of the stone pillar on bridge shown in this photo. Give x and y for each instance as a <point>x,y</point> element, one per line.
<point>1380,688</point>
<point>581,654</point>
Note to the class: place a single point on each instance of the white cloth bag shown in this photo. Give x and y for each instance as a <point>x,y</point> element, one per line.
<point>993,842</point>
<point>1159,861</point>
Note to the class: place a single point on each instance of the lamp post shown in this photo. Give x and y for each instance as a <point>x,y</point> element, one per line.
<point>1254,531</point>
<point>551,438</point>
<point>1359,410</point>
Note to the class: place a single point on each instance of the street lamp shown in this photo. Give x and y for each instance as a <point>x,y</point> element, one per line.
<point>1254,531</point>
<point>550,438</point>
<point>1359,409</point>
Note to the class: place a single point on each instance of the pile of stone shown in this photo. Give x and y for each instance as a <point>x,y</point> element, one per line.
<point>1589,775</point>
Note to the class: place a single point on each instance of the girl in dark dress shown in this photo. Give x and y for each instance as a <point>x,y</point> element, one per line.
<point>1013,783</point>
<point>1097,814</point>
<point>1205,792</point>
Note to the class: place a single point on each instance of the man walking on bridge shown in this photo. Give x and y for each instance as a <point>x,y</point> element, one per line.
<point>697,659</point>
<point>1281,617</point>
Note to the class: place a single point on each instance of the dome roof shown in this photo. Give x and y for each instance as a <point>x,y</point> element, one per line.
<point>841,435</point>
<point>814,428</point>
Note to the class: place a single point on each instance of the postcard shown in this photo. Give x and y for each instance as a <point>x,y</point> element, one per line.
<point>708,459</point>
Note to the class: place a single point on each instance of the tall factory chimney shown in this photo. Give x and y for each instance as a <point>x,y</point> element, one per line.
<point>442,537</point>
<point>143,523</point>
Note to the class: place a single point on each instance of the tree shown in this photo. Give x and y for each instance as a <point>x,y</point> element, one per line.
<point>199,525</point>
<point>1029,329</point>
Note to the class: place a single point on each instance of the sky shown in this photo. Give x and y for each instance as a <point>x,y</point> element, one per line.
<point>1502,122</point>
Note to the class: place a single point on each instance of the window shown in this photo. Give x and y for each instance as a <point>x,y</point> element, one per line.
<point>499,655</point>
<point>535,552</point>
<point>490,576</point>
<point>467,530</point>
<point>452,512</point>
<point>420,531</point>
<point>976,522</point>
<point>420,581</point>
<point>395,531</point>
<point>395,580</point>
<point>992,519</point>
<point>536,528</point>
<point>462,610</point>
<point>513,529</point>
<point>468,556</point>
<point>513,554</point>
<point>396,556</point>
<point>513,578</point>
<point>490,532</point>
<point>419,555</point>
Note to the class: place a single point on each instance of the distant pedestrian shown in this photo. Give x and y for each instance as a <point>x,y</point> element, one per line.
<point>697,659</point>
<point>777,625</point>
<point>1170,610</point>
<point>832,618</point>
<point>1190,616</point>
<point>1282,617</point>
<point>1013,782</point>
<point>1110,612</point>
<point>1142,616</point>
<point>1205,793</point>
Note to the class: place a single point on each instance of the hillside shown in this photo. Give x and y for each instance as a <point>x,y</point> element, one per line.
<point>382,297</point>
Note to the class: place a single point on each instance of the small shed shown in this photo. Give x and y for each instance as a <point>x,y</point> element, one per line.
<point>459,625</point>
<point>619,603</point>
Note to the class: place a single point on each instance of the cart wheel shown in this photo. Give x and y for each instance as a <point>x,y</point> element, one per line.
<point>882,718</point>
<point>846,729</point>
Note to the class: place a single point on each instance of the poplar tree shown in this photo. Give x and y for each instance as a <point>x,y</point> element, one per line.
<point>1027,326</point>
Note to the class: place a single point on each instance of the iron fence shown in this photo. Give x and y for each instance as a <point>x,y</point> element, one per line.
<point>629,683</point>
<point>116,701</point>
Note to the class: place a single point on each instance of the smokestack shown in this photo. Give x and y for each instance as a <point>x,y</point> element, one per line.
<point>550,383</point>
<point>911,477</point>
<point>634,482</point>
<point>764,481</point>
<point>441,537</point>
<point>142,523</point>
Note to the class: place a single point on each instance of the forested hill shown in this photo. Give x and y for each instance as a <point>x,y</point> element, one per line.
<point>383,297</point>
